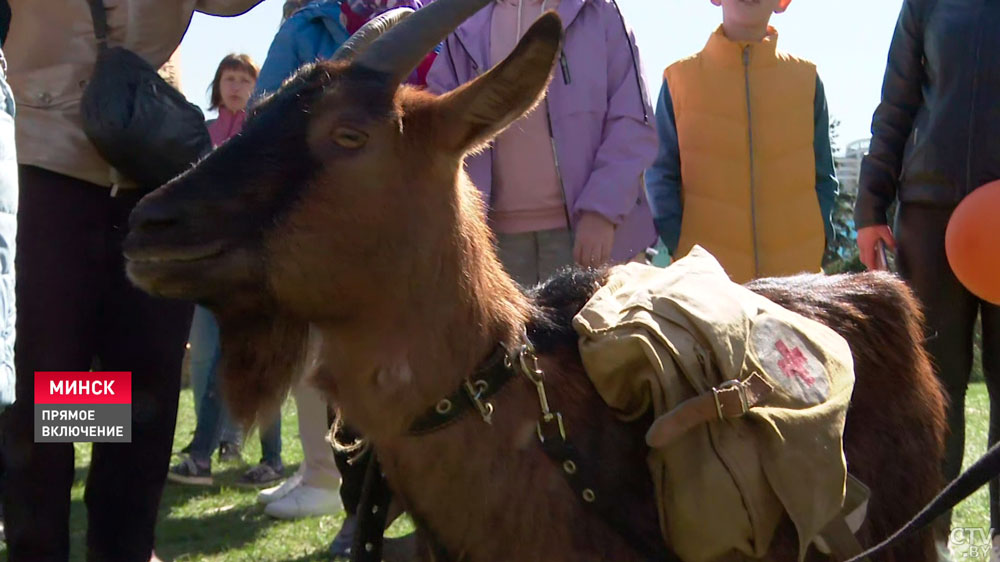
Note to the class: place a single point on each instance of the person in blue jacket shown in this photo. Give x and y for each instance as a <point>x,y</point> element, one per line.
<point>8,223</point>
<point>315,31</point>
<point>312,33</point>
<point>8,229</point>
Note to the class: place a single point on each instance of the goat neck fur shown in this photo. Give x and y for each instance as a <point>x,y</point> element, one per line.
<point>405,351</point>
<point>435,301</point>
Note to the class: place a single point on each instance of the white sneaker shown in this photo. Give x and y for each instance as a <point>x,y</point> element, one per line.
<point>305,501</point>
<point>281,490</point>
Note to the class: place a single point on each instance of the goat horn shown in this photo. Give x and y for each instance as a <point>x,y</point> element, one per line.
<point>402,48</point>
<point>364,37</point>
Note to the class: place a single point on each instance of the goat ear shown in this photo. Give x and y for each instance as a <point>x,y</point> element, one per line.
<point>476,112</point>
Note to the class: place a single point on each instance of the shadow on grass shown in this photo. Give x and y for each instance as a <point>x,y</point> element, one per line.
<point>216,530</point>
<point>226,529</point>
<point>317,556</point>
<point>191,536</point>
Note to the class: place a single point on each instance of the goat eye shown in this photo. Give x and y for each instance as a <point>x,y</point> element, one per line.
<point>349,138</point>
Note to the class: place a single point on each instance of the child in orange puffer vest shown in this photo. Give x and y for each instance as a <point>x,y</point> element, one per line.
<point>744,167</point>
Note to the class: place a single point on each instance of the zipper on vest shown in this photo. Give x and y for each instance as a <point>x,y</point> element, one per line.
<point>753,179</point>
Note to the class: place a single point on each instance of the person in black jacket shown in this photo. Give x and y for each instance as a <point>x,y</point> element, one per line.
<point>4,20</point>
<point>936,138</point>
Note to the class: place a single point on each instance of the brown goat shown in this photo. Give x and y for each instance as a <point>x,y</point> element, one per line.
<point>342,210</point>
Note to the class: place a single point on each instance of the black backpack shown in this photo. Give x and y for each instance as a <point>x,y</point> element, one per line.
<point>140,124</point>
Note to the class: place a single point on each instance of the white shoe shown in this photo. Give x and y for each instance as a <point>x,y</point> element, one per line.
<point>281,490</point>
<point>305,501</point>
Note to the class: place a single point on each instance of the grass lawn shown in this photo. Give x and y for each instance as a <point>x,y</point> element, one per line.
<point>974,512</point>
<point>224,523</point>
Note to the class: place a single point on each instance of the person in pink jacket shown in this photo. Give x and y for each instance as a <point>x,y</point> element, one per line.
<point>234,82</point>
<point>564,184</point>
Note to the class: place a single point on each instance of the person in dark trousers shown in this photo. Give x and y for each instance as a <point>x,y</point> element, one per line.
<point>77,308</point>
<point>936,138</point>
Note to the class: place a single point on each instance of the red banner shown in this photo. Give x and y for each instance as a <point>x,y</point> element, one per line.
<point>76,387</point>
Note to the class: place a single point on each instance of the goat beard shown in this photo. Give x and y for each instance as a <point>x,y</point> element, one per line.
<point>262,357</point>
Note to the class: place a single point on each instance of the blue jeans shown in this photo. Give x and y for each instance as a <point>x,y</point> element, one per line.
<point>214,423</point>
<point>8,231</point>
<point>204,361</point>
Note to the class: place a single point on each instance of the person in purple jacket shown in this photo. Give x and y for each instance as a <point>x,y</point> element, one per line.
<point>564,183</point>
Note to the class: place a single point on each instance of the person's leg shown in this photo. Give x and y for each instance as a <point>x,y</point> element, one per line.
<point>519,255</point>
<point>196,466</point>
<point>205,355</point>
<point>950,312</point>
<point>57,295</point>
<point>270,469</point>
<point>270,444</point>
<point>352,482</point>
<point>352,475</point>
<point>991,370</point>
<point>230,434</point>
<point>204,340</point>
<point>317,493</point>
<point>555,251</point>
<point>209,427</point>
<point>143,335</point>
<point>321,469</point>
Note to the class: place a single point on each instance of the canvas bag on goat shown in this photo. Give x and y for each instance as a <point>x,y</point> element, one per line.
<point>654,338</point>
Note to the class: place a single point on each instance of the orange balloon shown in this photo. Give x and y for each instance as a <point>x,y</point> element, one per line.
<point>972,242</point>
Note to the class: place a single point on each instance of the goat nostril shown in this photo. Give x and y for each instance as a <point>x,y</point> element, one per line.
<point>150,219</point>
<point>157,223</point>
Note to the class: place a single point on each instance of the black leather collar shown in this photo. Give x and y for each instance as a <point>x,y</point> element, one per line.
<point>471,396</point>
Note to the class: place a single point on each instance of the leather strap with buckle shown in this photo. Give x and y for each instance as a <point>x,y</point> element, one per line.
<point>552,435</point>
<point>731,399</point>
<point>582,476</point>
<point>472,395</point>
